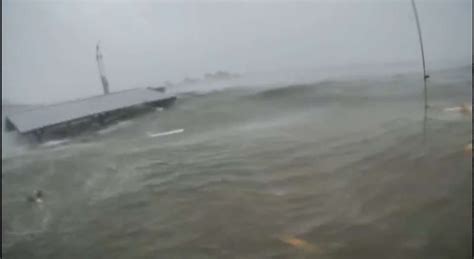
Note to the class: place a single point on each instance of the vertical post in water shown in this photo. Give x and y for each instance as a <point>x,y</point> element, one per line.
<point>425,76</point>
<point>100,63</point>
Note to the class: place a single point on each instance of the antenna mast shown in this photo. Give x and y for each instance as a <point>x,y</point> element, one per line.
<point>100,63</point>
<point>425,76</point>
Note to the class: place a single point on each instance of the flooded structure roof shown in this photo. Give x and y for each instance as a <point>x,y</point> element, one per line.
<point>50,115</point>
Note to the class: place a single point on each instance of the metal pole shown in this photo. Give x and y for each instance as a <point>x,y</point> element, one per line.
<point>103,79</point>
<point>425,76</point>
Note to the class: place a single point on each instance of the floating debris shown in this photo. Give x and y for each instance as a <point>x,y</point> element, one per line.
<point>300,243</point>
<point>53,143</point>
<point>152,135</point>
<point>36,197</point>
<point>468,149</point>
<point>465,108</point>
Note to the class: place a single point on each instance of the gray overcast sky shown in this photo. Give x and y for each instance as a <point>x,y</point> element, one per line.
<point>48,47</point>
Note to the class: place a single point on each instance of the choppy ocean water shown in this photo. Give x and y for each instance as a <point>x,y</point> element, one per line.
<point>332,169</point>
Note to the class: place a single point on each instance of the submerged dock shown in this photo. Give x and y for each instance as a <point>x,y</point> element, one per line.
<point>68,118</point>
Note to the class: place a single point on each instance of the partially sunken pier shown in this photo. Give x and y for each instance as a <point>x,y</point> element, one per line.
<point>69,118</point>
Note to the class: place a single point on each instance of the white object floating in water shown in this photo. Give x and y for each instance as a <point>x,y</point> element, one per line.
<point>54,143</point>
<point>465,108</point>
<point>453,109</point>
<point>159,134</point>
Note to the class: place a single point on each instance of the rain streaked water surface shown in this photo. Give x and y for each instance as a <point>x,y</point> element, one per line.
<point>333,169</point>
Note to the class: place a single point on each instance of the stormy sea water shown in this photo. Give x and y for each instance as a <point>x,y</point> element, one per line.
<point>335,168</point>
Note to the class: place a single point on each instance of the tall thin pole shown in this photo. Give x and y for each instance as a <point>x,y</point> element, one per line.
<point>425,76</point>
<point>100,63</point>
